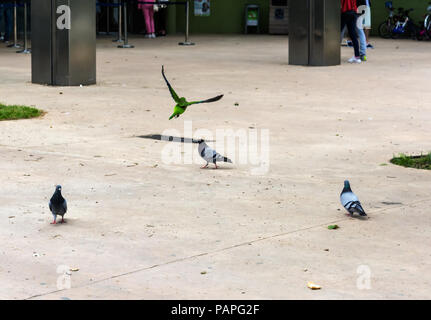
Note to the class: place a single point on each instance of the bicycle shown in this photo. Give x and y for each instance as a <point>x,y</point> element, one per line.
<point>397,25</point>
<point>386,27</point>
<point>405,25</point>
<point>425,30</point>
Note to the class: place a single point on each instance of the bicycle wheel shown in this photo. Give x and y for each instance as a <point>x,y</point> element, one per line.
<point>395,35</point>
<point>385,30</point>
<point>420,35</point>
<point>413,30</point>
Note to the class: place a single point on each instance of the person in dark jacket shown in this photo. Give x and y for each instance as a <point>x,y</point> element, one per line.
<point>349,18</point>
<point>6,16</point>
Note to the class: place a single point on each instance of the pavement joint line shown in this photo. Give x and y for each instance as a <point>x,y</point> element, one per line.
<point>380,211</point>
<point>71,155</point>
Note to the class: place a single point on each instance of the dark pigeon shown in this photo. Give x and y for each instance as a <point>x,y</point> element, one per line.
<point>58,205</point>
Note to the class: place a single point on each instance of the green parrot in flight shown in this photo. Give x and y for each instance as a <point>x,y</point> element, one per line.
<point>182,103</point>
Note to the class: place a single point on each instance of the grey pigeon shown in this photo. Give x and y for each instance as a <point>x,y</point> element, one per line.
<point>58,205</point>
<point>210,155</point>
<point>350,201</point>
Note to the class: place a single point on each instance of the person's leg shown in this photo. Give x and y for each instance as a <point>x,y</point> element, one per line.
<point>147,19</point>
<point>362,38</point>
<point>343,21</point>
<point>1,20</point>
<point>367,26</point>
<point>343,27</point>
<point>343,31</point>
<point>151,13</point>
<point>8,23</point>
<point>351,27</point>
<point>163,21</point>
<point>362,42</point>
<point>115,12</point>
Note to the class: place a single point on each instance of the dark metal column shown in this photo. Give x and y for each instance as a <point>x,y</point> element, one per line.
<point>314,32</point>
<point>299,31</point>
<point>63,56</point>
<point>26,50</point>
<point>41,39</point>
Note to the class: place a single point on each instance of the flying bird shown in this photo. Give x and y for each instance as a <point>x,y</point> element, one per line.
<point>58,205</point>
<point>350,201</point>
<point>210,155</point>
<point>182,103</point>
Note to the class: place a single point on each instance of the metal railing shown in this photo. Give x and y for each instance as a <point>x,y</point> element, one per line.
<point>123,19</point>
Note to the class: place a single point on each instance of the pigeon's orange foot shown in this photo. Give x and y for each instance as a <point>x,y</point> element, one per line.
<point>216,167</point>
<point>205,166</point>
<point>53,222</point>
<point>63,221</point>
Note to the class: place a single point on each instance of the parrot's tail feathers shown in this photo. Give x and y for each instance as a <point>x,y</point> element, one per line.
<point>171,116</point>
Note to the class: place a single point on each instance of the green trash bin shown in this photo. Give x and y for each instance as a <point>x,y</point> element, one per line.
<point>251,17</point>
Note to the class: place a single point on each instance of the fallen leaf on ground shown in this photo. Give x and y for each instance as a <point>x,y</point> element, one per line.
<point>313,286</point>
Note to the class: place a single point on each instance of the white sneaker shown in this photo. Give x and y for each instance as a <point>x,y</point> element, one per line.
<point>354,60</point>
<point>153,35</point>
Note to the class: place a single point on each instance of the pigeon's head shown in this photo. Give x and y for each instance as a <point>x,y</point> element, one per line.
<point>347,185</point>
<point>58,188</point>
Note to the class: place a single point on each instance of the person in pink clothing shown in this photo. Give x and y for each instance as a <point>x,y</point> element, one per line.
<point>148,10</point>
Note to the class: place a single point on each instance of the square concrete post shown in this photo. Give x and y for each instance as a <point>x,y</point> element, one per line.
<point>63,42</point>
<point>314,32</point>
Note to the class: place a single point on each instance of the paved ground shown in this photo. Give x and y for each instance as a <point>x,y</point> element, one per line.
<point>140,228</point>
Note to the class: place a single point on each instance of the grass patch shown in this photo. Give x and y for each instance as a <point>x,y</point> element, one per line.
<point>417,162</point>
<point>18,112</point>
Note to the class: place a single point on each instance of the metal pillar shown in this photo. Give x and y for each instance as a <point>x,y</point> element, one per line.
<point>15,29</point>
<point>26,49</point>
<point>186,41</point>
<point>120,24</point>
<point>63,55</point>
<point>314,32</point>
<point>126,44</point>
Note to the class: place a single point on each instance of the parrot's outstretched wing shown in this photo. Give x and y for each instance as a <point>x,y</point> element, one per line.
<point>206,101</point>
<point>173,93</point>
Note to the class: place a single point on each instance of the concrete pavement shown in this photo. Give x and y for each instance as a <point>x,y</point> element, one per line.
<point>138,228</point>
